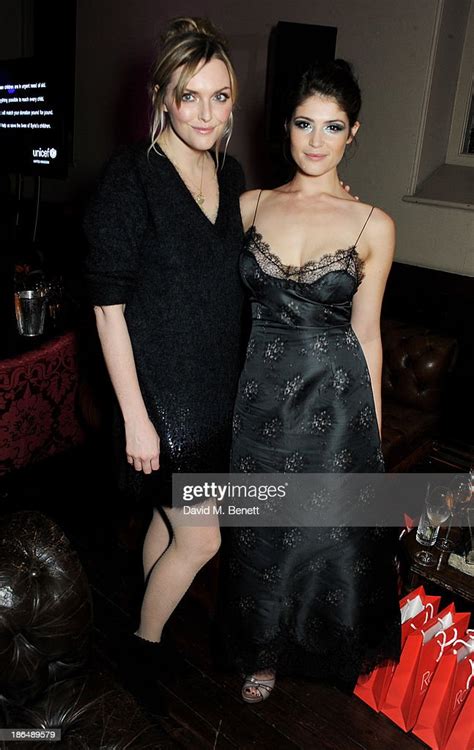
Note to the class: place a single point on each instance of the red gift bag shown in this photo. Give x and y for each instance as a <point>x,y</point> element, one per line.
<point>446,694</point>
<point>415,604</point>
<point>462,736</point>
<point>418,659</point>
<point>430,659</point>
<point>416,608</point>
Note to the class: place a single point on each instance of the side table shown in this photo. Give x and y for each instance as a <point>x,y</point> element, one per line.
<point>449,456</point>
<point>440,574</point>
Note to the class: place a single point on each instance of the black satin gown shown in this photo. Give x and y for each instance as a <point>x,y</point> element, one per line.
<point>319,602</point>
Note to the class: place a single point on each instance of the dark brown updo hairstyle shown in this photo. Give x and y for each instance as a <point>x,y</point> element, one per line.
<point>186,43</point>
<point>334,79</point>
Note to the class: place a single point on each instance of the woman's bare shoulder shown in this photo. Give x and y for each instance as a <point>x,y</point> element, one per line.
<point>250,196</point>
<point>374,218</point>
<point>248,204</point>
<point>381,224</point>
<point>379,236</point>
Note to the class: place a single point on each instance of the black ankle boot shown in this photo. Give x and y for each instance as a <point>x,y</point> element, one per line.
<point>141,667</point>
<point>174,663</point>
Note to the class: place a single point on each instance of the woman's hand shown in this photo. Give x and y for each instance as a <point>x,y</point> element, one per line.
<point>142,446</point>
<point>347,188</point>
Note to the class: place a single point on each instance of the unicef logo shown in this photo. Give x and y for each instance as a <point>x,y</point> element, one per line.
<point>45,153</point>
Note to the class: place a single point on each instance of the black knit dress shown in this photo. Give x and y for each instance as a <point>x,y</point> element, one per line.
<point>153,248</point>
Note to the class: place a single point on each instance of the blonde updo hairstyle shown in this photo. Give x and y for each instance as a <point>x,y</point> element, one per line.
<point>187,43</point>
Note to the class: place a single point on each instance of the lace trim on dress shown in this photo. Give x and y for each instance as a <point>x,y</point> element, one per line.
<point>344,259</point>
<point>283,655</point>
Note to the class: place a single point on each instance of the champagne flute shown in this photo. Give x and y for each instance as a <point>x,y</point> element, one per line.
<point>470,552</point>
<point>55,299</point>
<point>460,487</point>
<point>465,506</point>
<point>463,492</point>
<point>436,510</point>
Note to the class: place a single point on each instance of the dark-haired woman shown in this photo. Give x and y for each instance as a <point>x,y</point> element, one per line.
<point>312,601</point>
<point>165,234</point>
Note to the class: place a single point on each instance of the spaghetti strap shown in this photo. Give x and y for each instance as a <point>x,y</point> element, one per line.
<point>365,224</point>
<point>256,207</point>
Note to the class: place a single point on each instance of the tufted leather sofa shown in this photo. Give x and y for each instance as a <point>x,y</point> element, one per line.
<point>48,678</point>
<point>416,367</point>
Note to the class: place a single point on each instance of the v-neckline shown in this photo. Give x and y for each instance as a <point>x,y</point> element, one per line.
<point>191,196</point>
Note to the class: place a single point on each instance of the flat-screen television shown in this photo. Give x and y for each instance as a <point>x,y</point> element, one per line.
<point>36,117</point>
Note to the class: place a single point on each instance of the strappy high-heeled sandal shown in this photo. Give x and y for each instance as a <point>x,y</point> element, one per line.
<point>263,688</point>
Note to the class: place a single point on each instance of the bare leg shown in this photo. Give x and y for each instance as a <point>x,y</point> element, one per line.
<point>173,572</point>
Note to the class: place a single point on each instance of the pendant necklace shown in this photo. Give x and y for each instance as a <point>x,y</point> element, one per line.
<point>199,197</point>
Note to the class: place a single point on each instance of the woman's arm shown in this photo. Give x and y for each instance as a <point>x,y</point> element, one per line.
<point>142,441</point>
<point>379,239</point>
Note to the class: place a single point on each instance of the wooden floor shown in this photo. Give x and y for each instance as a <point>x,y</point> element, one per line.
<point>206,710</point>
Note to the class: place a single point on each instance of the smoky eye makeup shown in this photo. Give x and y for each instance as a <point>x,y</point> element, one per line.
<point>335,127</point>
<point>307,125</point>
<point>302,124</point>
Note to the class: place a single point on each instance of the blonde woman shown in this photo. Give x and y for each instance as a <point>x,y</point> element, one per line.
<point>165,234</point>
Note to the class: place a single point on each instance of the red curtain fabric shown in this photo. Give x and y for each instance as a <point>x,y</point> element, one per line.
<point>38,393</point>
